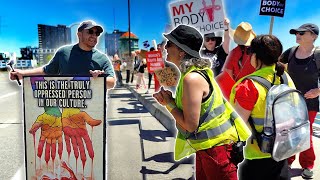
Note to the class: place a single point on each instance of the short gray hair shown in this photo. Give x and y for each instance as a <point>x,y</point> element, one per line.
<point>201,63</point>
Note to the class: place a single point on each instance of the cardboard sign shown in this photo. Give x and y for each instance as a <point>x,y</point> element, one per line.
<point>205,15</point>
<point>154,61</point>
<point>272,7</point>
<point>64,122</point>
<point>168,76</point>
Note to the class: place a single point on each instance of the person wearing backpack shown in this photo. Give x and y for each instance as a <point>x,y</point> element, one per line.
<point>303,64</point>
<point>207,124</point>
<point>249,99</point>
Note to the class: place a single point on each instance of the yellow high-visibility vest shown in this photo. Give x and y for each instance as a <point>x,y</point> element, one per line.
<point>252,151</point>
<point>216,122</point>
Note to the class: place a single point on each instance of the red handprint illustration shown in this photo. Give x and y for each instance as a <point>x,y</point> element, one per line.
<point>74,128</point>
<point>51,132</point>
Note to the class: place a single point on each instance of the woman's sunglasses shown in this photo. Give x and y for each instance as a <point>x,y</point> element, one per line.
<point>169,44</point>
<point>210,38</point>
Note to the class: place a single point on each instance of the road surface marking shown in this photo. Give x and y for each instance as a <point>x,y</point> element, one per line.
<point>8,95</point>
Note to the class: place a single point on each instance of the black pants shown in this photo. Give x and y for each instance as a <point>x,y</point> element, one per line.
<point>150,78</point>
<point>119,78</point>
<point>132,74</point>
<point>263,169</point>
<point>128,76</point>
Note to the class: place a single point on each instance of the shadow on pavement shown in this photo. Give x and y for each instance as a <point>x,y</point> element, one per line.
<point>155,135</point>
<point>165,158</point>
<point>123,122</point>
<point>295,172</point>
<point>123,96</point>
<point>137,108</point>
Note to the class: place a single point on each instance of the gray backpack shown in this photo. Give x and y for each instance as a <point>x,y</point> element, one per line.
<point>286,127</point>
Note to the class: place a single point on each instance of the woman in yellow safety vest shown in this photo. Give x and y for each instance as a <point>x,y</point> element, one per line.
<point>207,124</point>
<point>249,100</point>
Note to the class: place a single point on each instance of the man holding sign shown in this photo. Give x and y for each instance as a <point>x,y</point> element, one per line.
<point>78,59</point>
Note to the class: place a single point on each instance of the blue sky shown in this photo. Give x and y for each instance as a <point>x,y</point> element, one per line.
<point>19,19</point>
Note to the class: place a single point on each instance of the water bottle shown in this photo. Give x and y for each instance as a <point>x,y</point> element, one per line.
<point>265,143</point>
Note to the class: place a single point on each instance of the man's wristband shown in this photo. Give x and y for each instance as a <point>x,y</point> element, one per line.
<point>170,106</point>
<point>226,30</point>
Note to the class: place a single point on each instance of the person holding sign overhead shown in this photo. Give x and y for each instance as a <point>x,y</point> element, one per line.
<point>207,124</point>
<point>214,50</point>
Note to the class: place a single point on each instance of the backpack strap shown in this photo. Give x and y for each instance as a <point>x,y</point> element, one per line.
<point>255,134</point>
<point>317,58</point>
<point>265,83</point>
<point>291,53</point>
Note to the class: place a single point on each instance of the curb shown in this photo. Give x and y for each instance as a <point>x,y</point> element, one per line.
<point>155,109</point>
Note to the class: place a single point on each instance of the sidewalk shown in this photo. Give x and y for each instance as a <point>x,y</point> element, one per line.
<point>166,119</point>
<point>139,147</point>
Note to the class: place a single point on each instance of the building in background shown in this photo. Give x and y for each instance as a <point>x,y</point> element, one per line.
<point>29,52</point>
<point>50,39</point>
<point>124,44</point>
<point>112,42</point>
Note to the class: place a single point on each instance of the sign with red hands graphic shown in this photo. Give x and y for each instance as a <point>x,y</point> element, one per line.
<point>64,120</point>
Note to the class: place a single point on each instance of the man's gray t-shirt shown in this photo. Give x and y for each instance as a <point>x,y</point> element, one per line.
<point>72,60</point>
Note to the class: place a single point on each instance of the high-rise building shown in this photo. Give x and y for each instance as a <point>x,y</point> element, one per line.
<point>112,42</point>
<point>51,38</point>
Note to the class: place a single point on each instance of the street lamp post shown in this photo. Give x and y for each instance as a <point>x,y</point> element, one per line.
<point>129,28</point>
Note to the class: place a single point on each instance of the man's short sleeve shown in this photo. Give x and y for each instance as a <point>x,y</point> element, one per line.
<point>53,66</point>
<point>108,68</point>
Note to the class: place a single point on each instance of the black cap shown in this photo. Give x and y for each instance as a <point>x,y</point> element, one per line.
<point>88,25</point>
<point>306,27</point>
<point>187,38</point>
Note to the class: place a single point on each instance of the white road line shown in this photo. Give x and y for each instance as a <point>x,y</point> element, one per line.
<point>8,95</point>
<point>20,174</point>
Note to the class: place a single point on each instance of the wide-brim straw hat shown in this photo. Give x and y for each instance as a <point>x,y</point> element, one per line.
<point>243,35</point>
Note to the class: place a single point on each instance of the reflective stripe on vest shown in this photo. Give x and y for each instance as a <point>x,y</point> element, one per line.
<point>208,134</point>
<point>207,116</point>
<point>258,121</point>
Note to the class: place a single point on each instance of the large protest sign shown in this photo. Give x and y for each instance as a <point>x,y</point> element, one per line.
<point>64,122</point>
<point>206,16</point>
<point>272,7</point>
<point>154,61</point>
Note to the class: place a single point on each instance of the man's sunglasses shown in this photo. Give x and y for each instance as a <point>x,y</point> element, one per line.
<point>210,38</point>
<point>301,33</point>
<point>90,31</point>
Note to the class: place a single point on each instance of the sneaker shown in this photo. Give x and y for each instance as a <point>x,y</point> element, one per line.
<point>307,173</point>
<point>147,92</point>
